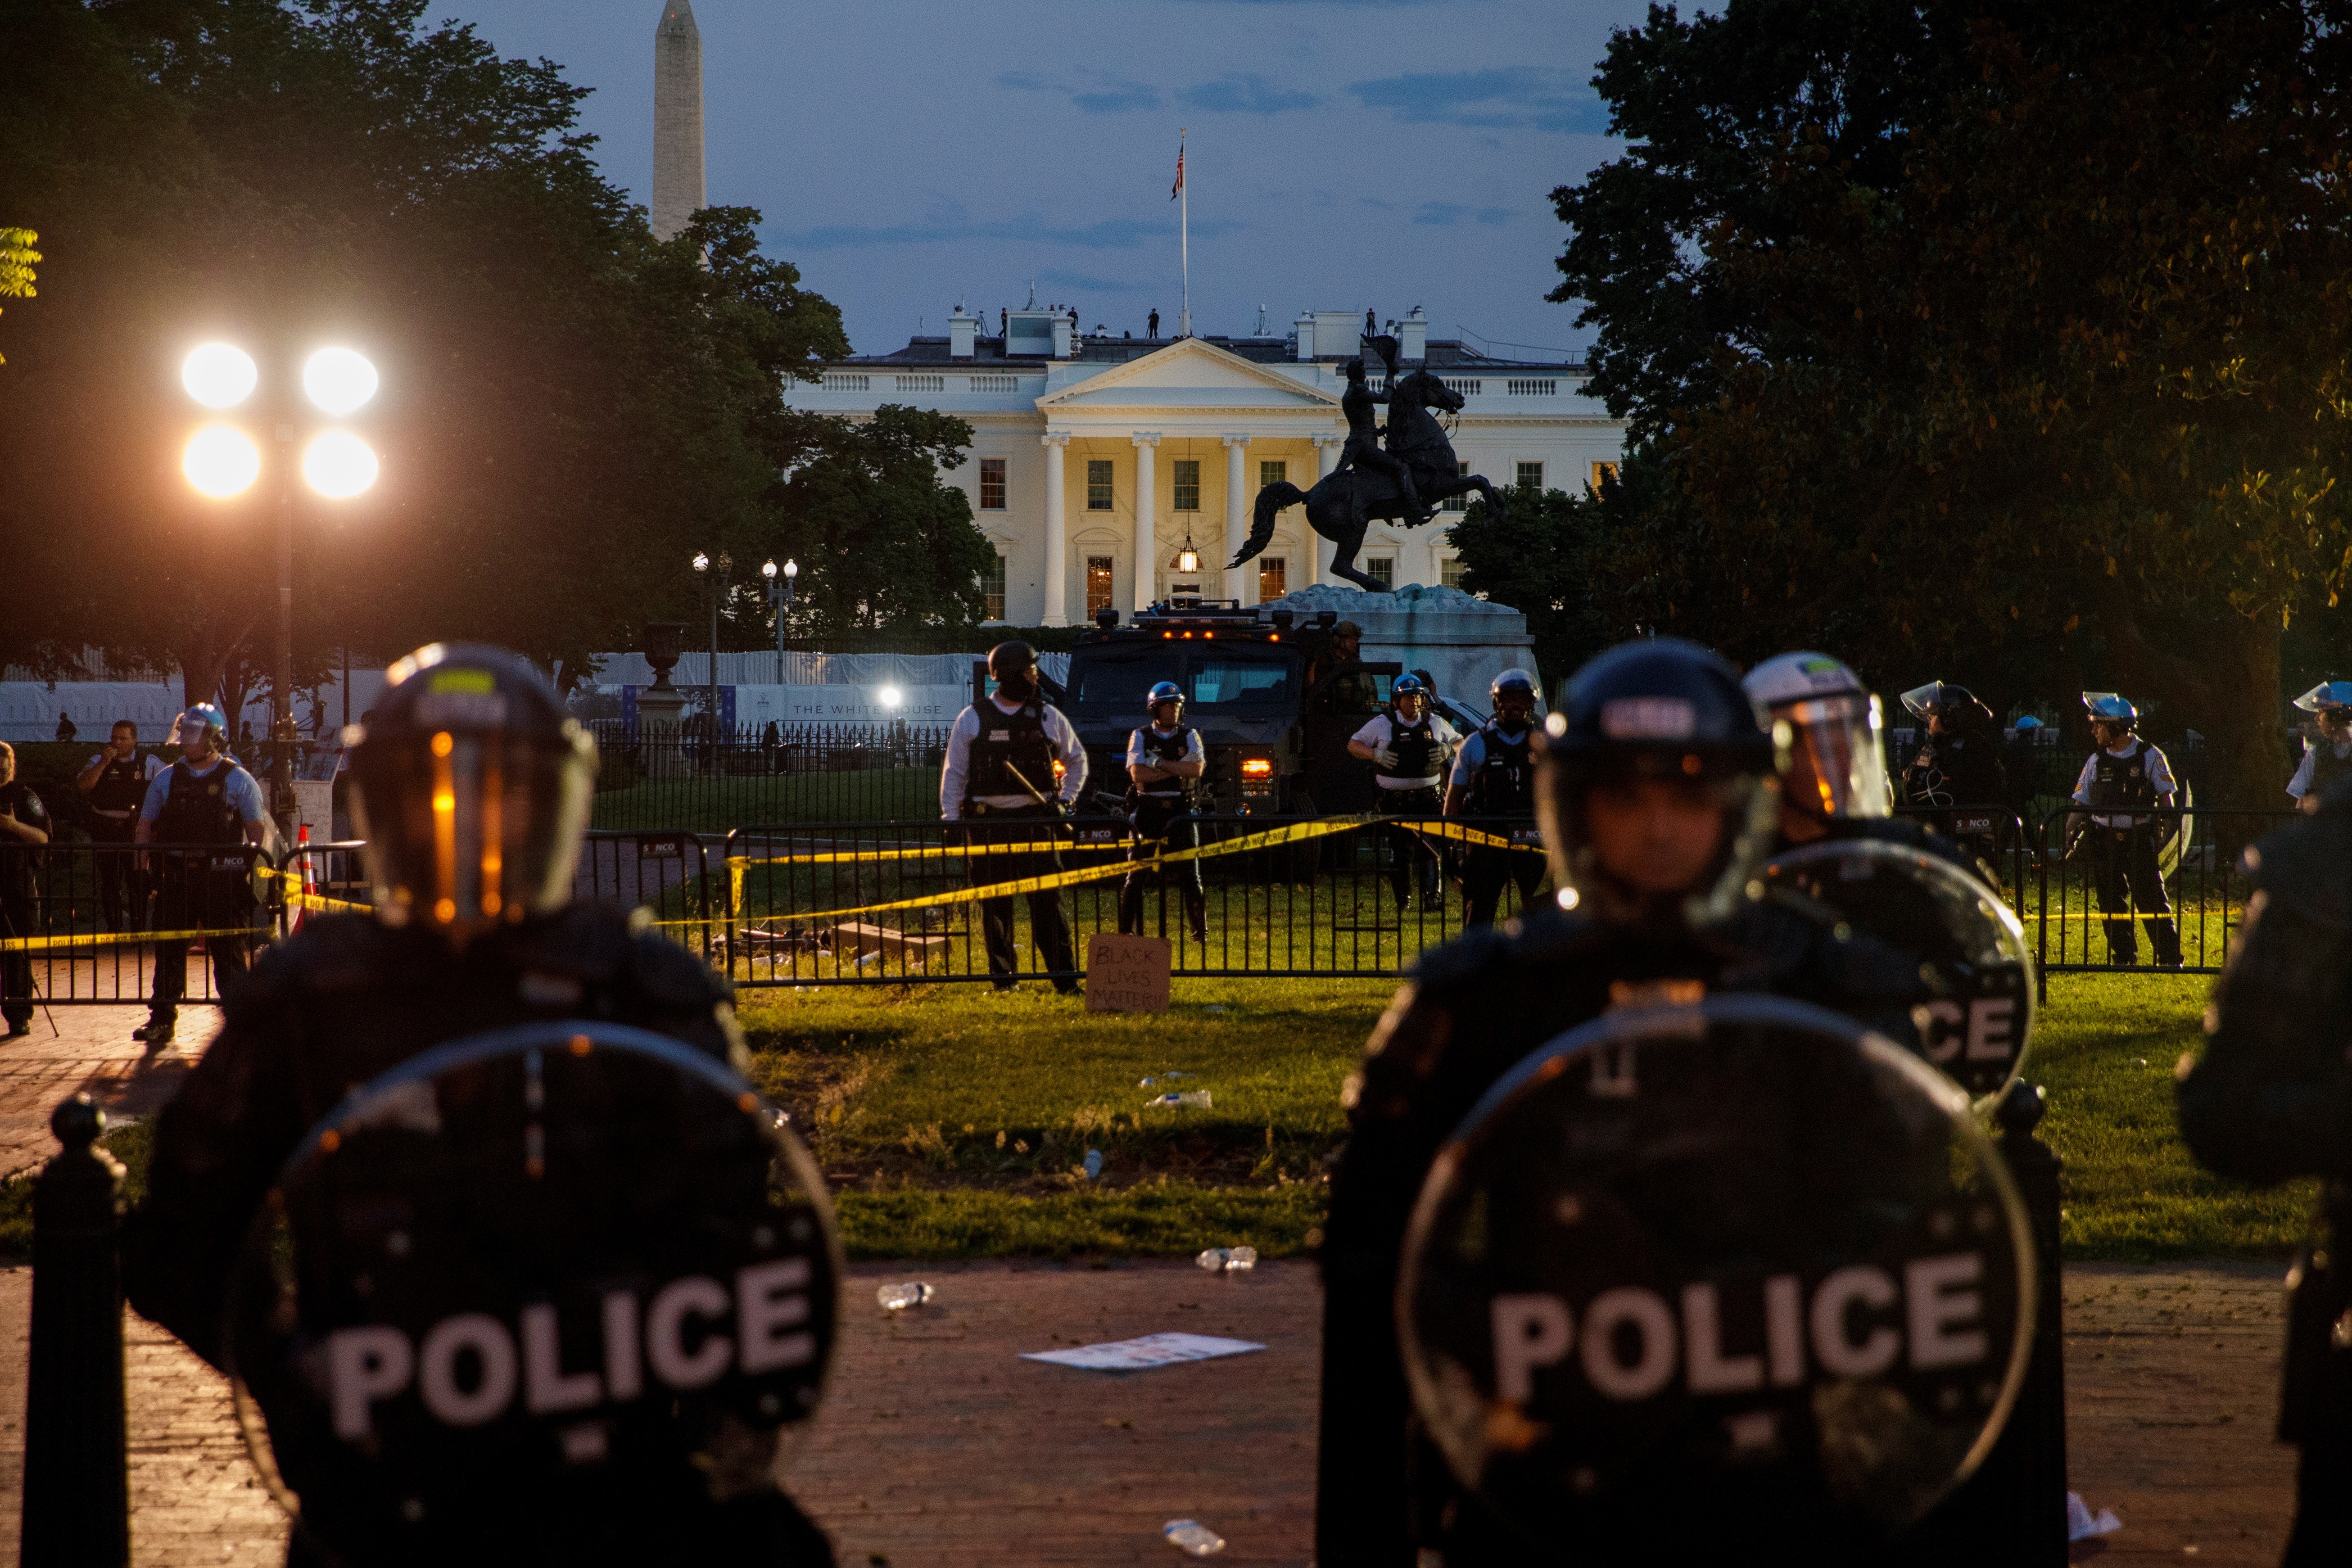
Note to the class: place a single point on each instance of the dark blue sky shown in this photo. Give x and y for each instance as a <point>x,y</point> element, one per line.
<point>907,155</point>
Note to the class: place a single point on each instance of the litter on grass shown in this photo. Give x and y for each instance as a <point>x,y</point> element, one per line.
<point>1143,1354</point>
<point>2081,1526</point>
<point>1192,1538</point>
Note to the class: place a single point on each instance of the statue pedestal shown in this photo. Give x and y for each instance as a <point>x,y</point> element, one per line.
<point>1463,641</point>
<point>659,709</point>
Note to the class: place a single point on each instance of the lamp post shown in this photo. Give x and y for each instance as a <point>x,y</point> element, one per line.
<point>714,588</point>
<point>780,603</point>
<point>222,462</point>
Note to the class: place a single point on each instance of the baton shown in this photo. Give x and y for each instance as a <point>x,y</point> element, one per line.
<point>1055,806</point>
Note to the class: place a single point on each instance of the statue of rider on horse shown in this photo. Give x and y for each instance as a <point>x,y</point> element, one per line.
<point>1400,484</point>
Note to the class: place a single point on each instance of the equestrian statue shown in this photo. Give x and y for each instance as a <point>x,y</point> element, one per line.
<point>1401,483</point>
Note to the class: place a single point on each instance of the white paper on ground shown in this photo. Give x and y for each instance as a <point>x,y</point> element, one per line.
<point>1141,1354</point>
<point>2081,1526</point>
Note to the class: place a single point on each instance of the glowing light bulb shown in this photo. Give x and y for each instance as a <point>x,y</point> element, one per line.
<point>338,465</point>
<point>219,375</point>
<point>339,379</point>
<point>221,461</point>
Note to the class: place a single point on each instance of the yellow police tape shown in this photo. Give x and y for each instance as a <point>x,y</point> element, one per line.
<point>116,939</point>
<point>1295,833</point>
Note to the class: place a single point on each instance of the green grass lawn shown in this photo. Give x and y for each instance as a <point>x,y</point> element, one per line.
<point>952,1123</point>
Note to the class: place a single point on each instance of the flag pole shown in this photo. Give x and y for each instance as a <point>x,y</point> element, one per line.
<point>1184,233</point>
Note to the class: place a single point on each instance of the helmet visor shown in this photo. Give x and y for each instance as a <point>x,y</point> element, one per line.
<point>1930,700</point>
<point>1837,767</point>
<point>471,825</point>
<point>2327,695</point>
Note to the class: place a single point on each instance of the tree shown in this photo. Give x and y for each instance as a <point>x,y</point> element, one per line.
<point>2068,390</point>
<point>1543,558</point>
<point>17,259</point>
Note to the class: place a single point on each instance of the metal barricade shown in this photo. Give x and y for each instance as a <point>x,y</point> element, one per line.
<point>2096,900</point>
<point>670,875</point>
<point>84,923</point>
<point>893,903</point>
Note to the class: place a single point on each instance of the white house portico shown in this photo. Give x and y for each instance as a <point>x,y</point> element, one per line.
<point>1109,472</point>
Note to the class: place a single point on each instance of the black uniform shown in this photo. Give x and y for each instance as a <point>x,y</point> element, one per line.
<point>2272,1100</point>
<point>1502,791</point>
<point>195,892</point>
<point>1959,770</point>
<point>348,998</point>
<point>19,882</point>
<point>114,803</point>
<point>1475,1007</point>
<point>2327,767</point>
<point>1007,743</point>
<point>2123,864</point>
<point>1158,813</point>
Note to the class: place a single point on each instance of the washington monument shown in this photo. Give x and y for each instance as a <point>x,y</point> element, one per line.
<point>677,120</point>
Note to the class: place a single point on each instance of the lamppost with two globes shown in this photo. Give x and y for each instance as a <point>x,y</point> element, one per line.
<point>780,603</point>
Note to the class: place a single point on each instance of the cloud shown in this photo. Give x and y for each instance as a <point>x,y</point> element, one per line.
<point>1445,214</point>
<point>1510,98</point>
<point>1028,228</point>
<point>1100,94</point>
<point>1239,93</point>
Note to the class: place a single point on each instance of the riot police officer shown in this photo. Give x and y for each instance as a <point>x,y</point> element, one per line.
<point>2329,758</point>
<point>2120,781</point>
<point>1655,788</point>
<point>1408,746</point>
<point>2270,1101</point>
<point>471,786</point>
<point>1165,760</point>
<point>1958,764</point>
<point>1493,777</point>
<point>206,797</point>
<point>114,783</point>
<point>999,774</point>
<point>1836,786</point>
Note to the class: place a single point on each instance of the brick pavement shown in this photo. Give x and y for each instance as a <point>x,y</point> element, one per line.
<point>90,1049</point>
<point>937,1446</point>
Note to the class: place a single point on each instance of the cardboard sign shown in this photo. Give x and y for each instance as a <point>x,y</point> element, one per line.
<point>1142,1354</point>
<point>1127,974</point>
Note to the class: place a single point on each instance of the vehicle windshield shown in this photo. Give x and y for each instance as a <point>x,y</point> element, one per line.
<point>1120,680</point>
<point>1241,677</point>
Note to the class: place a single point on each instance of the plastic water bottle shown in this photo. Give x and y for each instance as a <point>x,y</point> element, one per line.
<point>1192,1538</point>
<point>1228,1259</point>
<point>899,1297</point>
<point>1197,1099</point>
<point>1094,1163</point>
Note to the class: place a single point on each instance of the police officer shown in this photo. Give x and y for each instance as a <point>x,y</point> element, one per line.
<point>998,773</point>
<point>205,798</point>
<point>1493,777</point>
<point>1655,788</point>
<point>2120,781</point>
<point>115,784</point>
<point>1959,763</point>
<point>2270,1101</point>
<point>471,786</point>
<point>24,825</point>
<point>2329,758</point>
<point>1165,760</point>
<point>1408,746</point>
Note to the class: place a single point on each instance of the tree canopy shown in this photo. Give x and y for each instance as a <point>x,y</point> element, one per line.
<point>2041,382</point>
<point>570,407</point>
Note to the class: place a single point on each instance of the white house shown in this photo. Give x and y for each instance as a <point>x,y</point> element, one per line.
<point>1092,454</point>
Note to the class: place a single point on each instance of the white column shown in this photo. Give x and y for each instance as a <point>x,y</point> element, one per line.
<point>1242,582</point>
<point>1327,457</point>
<point>1057,550</point>
<point>1147,504</point>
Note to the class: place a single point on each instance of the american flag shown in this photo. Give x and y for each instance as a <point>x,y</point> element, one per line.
<point>1178,188</point>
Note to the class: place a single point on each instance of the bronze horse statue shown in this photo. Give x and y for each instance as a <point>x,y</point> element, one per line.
<point>1414,438</point>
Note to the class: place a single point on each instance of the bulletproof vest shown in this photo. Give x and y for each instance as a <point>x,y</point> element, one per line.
<point>2121,783</point>
<point>2327,767</point>
<point>1007,743</point>
<point>122,786</point>
<point>198,810</point>
<point>1505,783</point>
<point>1166,749</point>
<point>1416,747</point>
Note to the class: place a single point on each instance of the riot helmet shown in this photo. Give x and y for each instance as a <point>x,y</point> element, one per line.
<point>1520,686</point>
<point>2107,707</point>
<point>2329,696</point>
<point>1166,692</point>
<point>1511,680</point>
<point>1013,667</point>
<point>1406,686</point>
<point>1957,706</point>
<point>471,786</point>
<point>1660,727</point>
<point>1837,762</point>
<point>209,715</point>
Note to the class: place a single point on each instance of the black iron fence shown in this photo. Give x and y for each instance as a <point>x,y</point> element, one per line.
<point>700,781</point>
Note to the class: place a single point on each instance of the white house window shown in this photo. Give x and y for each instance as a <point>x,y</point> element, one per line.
<point>1382,569</point>
<point>1449,571</point>
<point>1273,473</point>
<point>1097,585</point>
<point>991,589</point>
<point>1099,484</point>
<point>1461,501</point>
<point>1186,473</point>
<point>1273,577</point>
<point>991,484</point>
<point>1530,476</point>
<point>1603,471</point>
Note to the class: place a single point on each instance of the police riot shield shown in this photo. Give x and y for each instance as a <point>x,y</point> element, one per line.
<point>1971,949</point>
<point>545,1294</point>
<point>1732,1281</point>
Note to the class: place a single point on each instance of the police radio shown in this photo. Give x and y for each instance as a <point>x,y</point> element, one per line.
<point>1736,1280</point>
